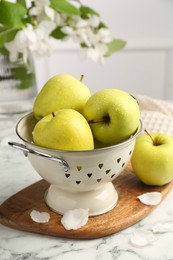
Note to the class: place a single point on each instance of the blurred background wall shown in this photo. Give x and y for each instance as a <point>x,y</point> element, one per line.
<point>144,67</point>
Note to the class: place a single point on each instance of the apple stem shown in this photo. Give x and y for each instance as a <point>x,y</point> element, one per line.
<point>81,78</point>
<point>53,114</point>
<point>105,119</point>
<point>154,143</point>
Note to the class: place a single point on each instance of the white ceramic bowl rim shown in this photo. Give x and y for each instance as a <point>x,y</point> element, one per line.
<point>138,131</point>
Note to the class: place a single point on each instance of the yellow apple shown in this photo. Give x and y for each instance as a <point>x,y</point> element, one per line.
<point>65,129</point>
<point>60,92</point>
<point>113,115</point>
<point>152,158</point>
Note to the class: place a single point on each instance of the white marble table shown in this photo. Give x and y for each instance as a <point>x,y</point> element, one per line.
<point>16,173</point>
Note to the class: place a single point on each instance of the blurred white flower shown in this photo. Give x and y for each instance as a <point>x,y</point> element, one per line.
<point>13,52</point>
<point>29,39</point>
<point>49,12</point>
<point>78,35</point>
<point>84,37</point>
<point>97,53</point>
<point>94,21</point>
<point>60,19</point>
<point>86,32</point>
<point>45,28</point>
<point>42,46</point>
<point>94,53</point>
<point>67,30</point>
<point>104,35</point>
<point>41,8</point>
<point>43,20</point>
<point>41,3</point>
<point>20,44</point>
<point>81,23</point>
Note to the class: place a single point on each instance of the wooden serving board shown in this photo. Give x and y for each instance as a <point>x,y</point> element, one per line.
<point>15,211</point>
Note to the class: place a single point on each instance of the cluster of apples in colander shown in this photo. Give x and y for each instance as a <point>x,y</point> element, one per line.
<point>70,118</point>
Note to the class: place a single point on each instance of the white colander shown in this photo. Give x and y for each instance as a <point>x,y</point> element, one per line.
<point>78,179</point>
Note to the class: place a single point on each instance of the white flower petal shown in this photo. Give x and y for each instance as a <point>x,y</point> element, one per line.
<point>94,21</point>
<point>30,35</point>
<point>67,30</point>
<point>21,39</point>
<point>104,32</point>
<point>75,219</point>
<point>10,46</point>
<point>58,18</point>
<point>84,38</point>
<point>47,26</point>
<point>13,56</point>
<point>39,217</point>
<point>81,23</point>
<point>20,45</point>
<point>94,54</point>
<point>25,55</point>
<point>150,198</point>
<point>142,238</point>
<point>40,34</point>
<point>41,48</point>
<point>104,35</point>
<point>34,11</point>
<point>49,12</point>
<point>42,2</point>
<point>102,48</point>
<point>162,227</point>
<point>82,54</point>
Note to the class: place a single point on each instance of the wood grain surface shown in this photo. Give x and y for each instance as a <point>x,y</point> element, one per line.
<point>15,211</point>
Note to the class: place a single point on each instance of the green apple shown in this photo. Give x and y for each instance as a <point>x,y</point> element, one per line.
<point>65,129</point>
<point>60,92</point>
<point>98,145</point>
<point>152,158</point>
<point>113,115</point>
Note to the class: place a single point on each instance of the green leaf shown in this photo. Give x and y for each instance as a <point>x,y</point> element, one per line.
<point>22,2</point>
<point>4,52</point>
<point>83,45</point>
<point>26,79</point>
<point>6,34</point>
<point>65,7</point>
<point>102,25</point>
<point>57,33</point>
<point>115,45</point>
<point>12,14</point>
<point>85,10</point>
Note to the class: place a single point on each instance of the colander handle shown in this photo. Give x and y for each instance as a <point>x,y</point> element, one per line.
<point>27,150</point>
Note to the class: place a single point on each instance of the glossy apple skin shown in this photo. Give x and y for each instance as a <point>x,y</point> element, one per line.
<point>121,110</point>
<point>67,130</point>
<point>153,164</point>
<point>60,92</point>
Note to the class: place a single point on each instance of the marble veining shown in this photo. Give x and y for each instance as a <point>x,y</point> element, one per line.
<point>16,173</point>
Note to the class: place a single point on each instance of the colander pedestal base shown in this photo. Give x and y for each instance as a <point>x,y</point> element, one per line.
<point>98,201</point>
